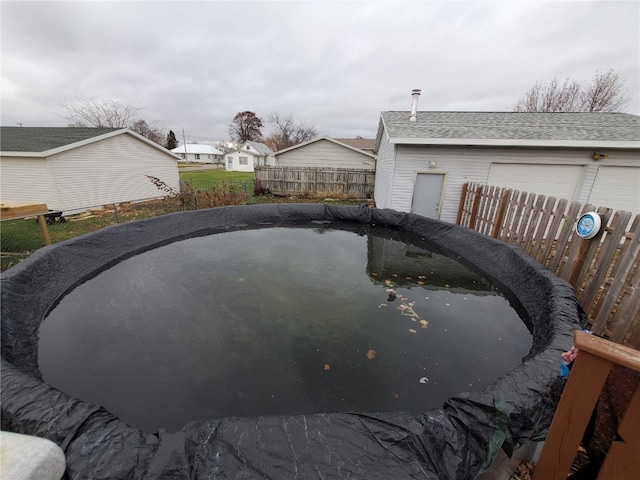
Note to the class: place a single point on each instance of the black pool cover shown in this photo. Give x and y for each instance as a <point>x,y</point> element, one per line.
<point>457,441</point>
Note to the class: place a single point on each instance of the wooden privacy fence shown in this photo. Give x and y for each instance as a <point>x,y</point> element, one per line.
<point>313,180</point>
<point>604,270</point>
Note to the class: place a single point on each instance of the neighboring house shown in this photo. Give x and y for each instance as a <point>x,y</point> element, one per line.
<point>365,144</point>
<point>589,157</point>
<point>324,152</point>
<point>72,169</point>
<point>248,156</point>
<point>196,152</point>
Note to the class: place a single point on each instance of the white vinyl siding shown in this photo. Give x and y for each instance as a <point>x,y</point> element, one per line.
<point>325,154</point>
<point>560,181</point>
<point>460,164</point>
<point>109,171</point>
<point>234,161</point>
<point>385,165</point>
<point>27,180</point>
<point>568,173</point>
<point>617,188</point>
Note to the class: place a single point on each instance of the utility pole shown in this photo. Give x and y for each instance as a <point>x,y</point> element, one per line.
<point>184,140</point>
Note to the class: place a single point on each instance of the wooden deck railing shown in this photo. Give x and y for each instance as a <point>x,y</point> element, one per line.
<point>586,380</point>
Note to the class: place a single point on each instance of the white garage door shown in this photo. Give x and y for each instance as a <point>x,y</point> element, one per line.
<point>617,188</point>
<point>561,181</point>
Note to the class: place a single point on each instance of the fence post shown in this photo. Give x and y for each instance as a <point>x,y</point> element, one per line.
<point>476,206</point>
<point>463,198</point>
<point>115,212</point>
<point>502,208</point>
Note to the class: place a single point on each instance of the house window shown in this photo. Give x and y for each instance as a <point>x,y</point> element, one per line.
<point>182,155</point>
<point>209,157</point>
<point>248,147</point>
<point>244,160</point>
<point>197,156</point>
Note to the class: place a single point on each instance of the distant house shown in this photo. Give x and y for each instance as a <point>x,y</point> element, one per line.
<point>325,152</point>
<point>423,162</point>
<point>249,155</point>
<point>196,152</point>
<point>365,144</point>
<point>72,169</point>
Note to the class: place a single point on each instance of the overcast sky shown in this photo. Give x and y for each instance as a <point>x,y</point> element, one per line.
<point>337,65</point>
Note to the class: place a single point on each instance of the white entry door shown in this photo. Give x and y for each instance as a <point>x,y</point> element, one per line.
<point>427,193</point>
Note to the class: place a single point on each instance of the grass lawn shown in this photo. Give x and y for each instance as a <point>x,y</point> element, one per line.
<point>204,179</point>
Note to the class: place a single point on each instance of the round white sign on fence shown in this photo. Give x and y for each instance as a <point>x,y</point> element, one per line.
<point>588,225</point>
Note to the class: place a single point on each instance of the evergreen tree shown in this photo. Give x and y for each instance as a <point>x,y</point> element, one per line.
<point>172,141</point>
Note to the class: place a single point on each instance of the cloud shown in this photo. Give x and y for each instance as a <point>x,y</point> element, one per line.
<point>193,65</point>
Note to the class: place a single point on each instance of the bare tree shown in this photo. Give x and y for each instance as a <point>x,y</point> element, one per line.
<point>97,112</point>
<point>605,93</point>
<point>245,126</point>
<point>287,133</point>
<point>151,132</point>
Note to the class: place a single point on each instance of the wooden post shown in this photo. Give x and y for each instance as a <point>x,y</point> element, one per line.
<point>587,377</point>
<point>476,206</point>
<point>502,208</point>
<point>45,231</point>
<point>463,199</point>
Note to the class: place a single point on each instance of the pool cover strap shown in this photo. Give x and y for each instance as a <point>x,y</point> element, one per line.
<point>457,441</point>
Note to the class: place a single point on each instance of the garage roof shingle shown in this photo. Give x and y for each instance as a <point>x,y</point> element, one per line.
<point>42,139</point>
<point>514,126</point>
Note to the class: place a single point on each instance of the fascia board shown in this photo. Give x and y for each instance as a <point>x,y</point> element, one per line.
<point>23,154</point>
<point>489,142</point>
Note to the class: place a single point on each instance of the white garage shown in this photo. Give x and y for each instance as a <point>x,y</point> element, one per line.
<point>585,157</point>
<point>73,169</point>
<point>552,180</point>
<point>624,181</point>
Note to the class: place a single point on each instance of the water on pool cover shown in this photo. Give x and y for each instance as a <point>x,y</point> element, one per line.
<point>279,321</point>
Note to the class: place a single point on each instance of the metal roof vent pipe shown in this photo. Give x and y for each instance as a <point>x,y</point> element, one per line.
<point>414,104</point>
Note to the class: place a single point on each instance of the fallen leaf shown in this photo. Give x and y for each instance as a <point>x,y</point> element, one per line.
<point>424,323</point>
<point>382,305</point>
<point>414,319</point>
<point>420,283</point>
<point>387,282</point>
<point>409,278</point>
<point>371,354</point>
<point>446,285</point>
<point>411,330</point>
<point>394,274</point>
<point>422,277</point>
<point>327,366</point>
<point>374,274</point>
<point>395,395</point>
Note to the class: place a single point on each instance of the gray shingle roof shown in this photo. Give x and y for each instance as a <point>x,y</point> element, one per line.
<point>515,126</point>
<point>262,148</point>
<point>42,139</point>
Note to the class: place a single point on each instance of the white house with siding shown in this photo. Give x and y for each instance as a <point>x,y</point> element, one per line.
<point>325,152</point>
<point>250,154</point>
<point>424,161</point>
<point>72,169</point>
<point>196,152</point>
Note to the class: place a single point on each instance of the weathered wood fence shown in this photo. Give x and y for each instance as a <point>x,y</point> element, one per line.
<point>604,270</point>
<point>313,181</point>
